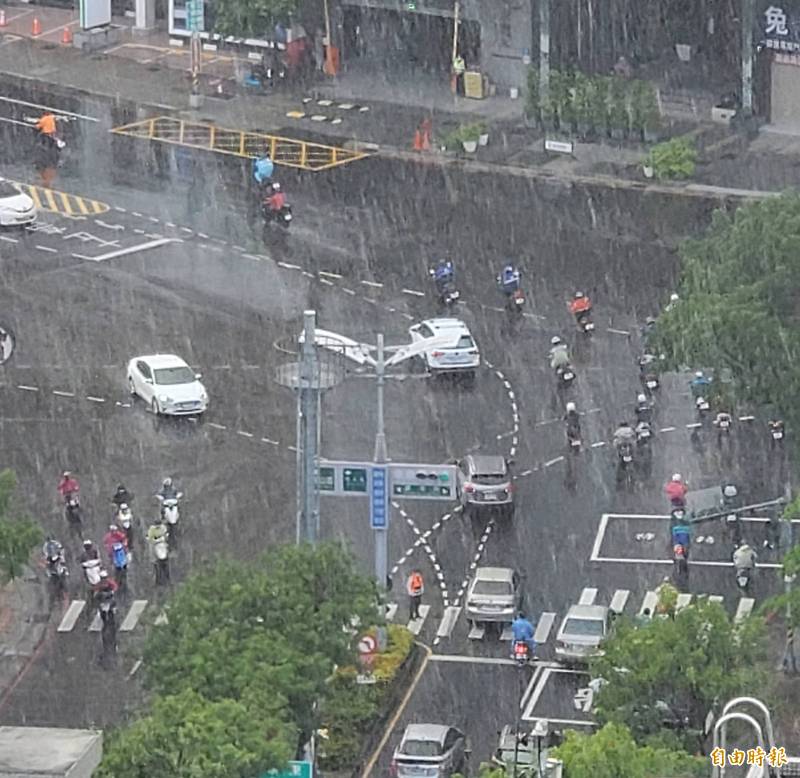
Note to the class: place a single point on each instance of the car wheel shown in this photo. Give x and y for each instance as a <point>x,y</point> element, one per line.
<point>154,407</point>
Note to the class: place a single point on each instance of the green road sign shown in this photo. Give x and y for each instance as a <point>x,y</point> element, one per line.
<point>294,770</point>
<point>431,482</point>
<point>327,479</point>
<point>354,479</point>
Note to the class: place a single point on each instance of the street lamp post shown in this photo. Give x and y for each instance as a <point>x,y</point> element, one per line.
<point>360,353</point>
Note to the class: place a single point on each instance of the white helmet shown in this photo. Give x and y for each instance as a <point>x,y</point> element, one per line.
<point>112,527</point>
<point>578,295</point>
<point>167,481</point>
<point>123,506</point>
<point>555,340</point>
<point>104,573</point>
<point>570,407</point>
<point>641,399</point>
<point>678,478</point>
<point>673,298</point>
<point>699,374</point>
<point>276,187</point>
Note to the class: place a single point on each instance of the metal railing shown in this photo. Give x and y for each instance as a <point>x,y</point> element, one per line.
<point>240,143</point>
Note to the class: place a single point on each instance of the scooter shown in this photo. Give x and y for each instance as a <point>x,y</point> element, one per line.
<point>124,519</point>
<point>120,559</point>
<point>515,297</point>
<point>283,217</point>
<point>161,555</point>
<point>74,513</point>
<point>445,287</point>
<point>522,653</point>
<point>776,431</point>
<point>703,409</point>
<point>91,572</point>
<point>743,577</point>
<point>644,433</point>
<point>566,375</point>
<point>625,455</point>
<point>648,376</point>
<point>585,323</point>
<point>57,573</point>
<point>171,514</point>
<point>574,441</point>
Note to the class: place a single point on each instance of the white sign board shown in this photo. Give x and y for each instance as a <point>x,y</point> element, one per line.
<point>94,13</point>
<point>559,146</point>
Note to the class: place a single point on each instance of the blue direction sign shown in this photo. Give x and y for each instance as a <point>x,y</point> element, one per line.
<point>294,770</point>
<point>379,499</point>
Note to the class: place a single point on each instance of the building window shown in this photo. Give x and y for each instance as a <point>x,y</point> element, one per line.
<point>504,33</point>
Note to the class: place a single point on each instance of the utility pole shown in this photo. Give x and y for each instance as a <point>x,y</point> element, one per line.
<point>195,18</point>
<point>544,52</point>
<point>308,455</point>
<point>789,660</point>
<point>747,58</point>
<point>381,457</point>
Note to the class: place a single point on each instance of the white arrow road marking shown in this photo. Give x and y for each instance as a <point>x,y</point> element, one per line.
<point>111,226</point>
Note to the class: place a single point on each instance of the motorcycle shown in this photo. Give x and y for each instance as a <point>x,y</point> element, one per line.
<point>648,376</point>
<point>124,519</point>
<point>522,653</point>
<point>57,572</point>
<point>445,287</point>
<point>776,431</point>
<point>161,556</point>
<point>585,323</point>
<point>703,408</point>
<point>282,218</point>
<point>743,577</point>
<point>171,514</point>
<point>566,375</point>
<point>680,562</point>
<point>74,513</point>
<point>120,559</point>
<point>730,503</point>
<point>515,297</point>
<point>91,572</point>
<point>625,454</point>
<point>723,422</point>
<point>644,433</point>
<point>574,440</point>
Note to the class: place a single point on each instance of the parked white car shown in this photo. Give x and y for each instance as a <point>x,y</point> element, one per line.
<point>167,384</point>
<point>16,208</point>
<point>462,357</point>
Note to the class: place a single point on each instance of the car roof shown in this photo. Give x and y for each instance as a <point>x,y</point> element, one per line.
<point>486,464</point>
<point>162,360</point>
<point>587,612</point>
<point>431,732</point>
<point>446,323</point>
<point>494,574</point>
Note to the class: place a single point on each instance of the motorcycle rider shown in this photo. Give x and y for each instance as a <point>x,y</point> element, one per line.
<point>90,552</point>
<point>624,434</point>
<point>559,354</point>
<point>168,490</point>
<point>68,486</point>
<point>744,558</point>
<point>699,384</point>
<point>573,421</point>
<point>723,421</point>
<point>443,274</point>
<point>522,630</point>
<point>114,535</point>
<point>53,552</point>
<point>157,533</point>
<point>644,410</point>
<point>46,124</point>
<point>676,490</point>
<point>276,201</point>
<point>263,168</point>
<point>580,305</point>
<point>105,592</point>
<point>649,327</point>
<point>674,299</point>
<point>121,497</point>
<point>509,279</point>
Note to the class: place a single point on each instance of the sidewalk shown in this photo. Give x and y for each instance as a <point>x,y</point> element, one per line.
<point>23,622</point>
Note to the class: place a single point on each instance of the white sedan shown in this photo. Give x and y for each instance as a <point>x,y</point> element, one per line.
<point>167,384</point>
<point>16,208</point>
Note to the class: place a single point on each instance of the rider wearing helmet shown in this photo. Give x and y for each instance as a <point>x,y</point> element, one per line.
<point>676,490</point>
<point>68,486</point>
<point>624,434</point>
<point>644,411</point>
<point>699,384</point>
<point>559,354</point>
<point>104,593</point>
<point>509,279</point>
<point>744,558</point>
<point>121,496</point>
<point>113,536</point>
<point>53,552</point>
<point>168,490</point>
<point>263,167</point>
<point>522,629</point>
<point>90,551</point>
<point>580,305</point>
<point>443,273</point>
<point>277,200</point>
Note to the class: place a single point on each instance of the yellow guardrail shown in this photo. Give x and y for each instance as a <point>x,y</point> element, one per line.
<point>62,202</point>
<point>240,143</point>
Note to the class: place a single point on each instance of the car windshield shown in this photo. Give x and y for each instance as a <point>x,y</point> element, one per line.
<point>586,627</point>
<point>7,189</point>
<point>489,478</point>
<point>421,748</point>
<point>465,341</point>
<point>174,375</point>
<point>494,588</point>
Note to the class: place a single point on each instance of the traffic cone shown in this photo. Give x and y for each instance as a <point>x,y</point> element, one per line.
<point>3,22</point>
<point>36,28</point>
<point>66,36</point>
<point>417,141</point>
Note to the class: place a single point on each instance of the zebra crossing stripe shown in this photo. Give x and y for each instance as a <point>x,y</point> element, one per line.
<point>97,623</point>
<point>132,616</point>
<point>649,604</point>
<point>507,633</point>
<point>546,621</point>
<point>683,601</point>
<point>587,596</point>
<point>415,626</point>
<point>71,616</point>
<point>619,600</point>
<point>716,598</point>
<point>477,632</point>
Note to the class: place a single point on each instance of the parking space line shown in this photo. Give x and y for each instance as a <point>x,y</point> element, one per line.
<point>71,616</point>
<point>588,596</point>
<point>546,621</point>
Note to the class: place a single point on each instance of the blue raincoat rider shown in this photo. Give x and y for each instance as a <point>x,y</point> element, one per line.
<point>699,384</point>
<point>263,168</point>
<point>522,629</point>
<point>443,274</point>
<point>509,279</point>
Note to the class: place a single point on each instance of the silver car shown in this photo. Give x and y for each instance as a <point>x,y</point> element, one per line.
<point>429,751</point>
<point>493,595</point>
<point>462,357</point>
<point>584,628</point>
<point>485,482</point>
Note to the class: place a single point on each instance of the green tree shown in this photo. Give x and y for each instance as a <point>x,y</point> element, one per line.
<point>251,18</point>
<point>275,629</point>
<point>791,566</point>
<point>18,535</point>
<point>187,736</point>
<point>738,309</point>
<point>678,667</point>
<point>612,752</point>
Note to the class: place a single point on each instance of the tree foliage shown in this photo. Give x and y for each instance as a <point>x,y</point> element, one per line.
<point>738,308</point>
<point>18,535</point>
<point>188,736</point>
<point>251,18</point>
<point>263,638</point>
<point>676,668</point>
<point>611,752</point>
<point>790,598</point>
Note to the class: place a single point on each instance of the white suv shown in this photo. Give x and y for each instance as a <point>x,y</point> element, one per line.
<point>462,357</point>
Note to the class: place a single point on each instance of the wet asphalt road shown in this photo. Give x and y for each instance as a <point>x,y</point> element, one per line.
<point>220,299</point>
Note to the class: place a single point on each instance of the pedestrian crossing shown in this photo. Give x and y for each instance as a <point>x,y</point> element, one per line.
<point>77,607</point>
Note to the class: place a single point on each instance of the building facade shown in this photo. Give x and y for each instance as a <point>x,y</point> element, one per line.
<point>778,32</point>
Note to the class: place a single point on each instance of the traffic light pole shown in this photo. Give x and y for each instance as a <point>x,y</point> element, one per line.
<point>308,419</point>
<point>380,457</point>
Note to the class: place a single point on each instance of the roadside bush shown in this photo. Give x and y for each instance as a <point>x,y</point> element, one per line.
<point>673,159</point>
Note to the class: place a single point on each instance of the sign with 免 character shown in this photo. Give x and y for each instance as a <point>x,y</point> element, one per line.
<point>780,26</point>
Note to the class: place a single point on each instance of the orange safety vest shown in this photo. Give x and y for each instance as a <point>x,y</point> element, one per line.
<point>580,305</point>
<point>47,124</point>
<point>415,585</point>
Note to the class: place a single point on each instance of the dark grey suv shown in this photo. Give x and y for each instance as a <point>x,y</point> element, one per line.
<point>484,482</point>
